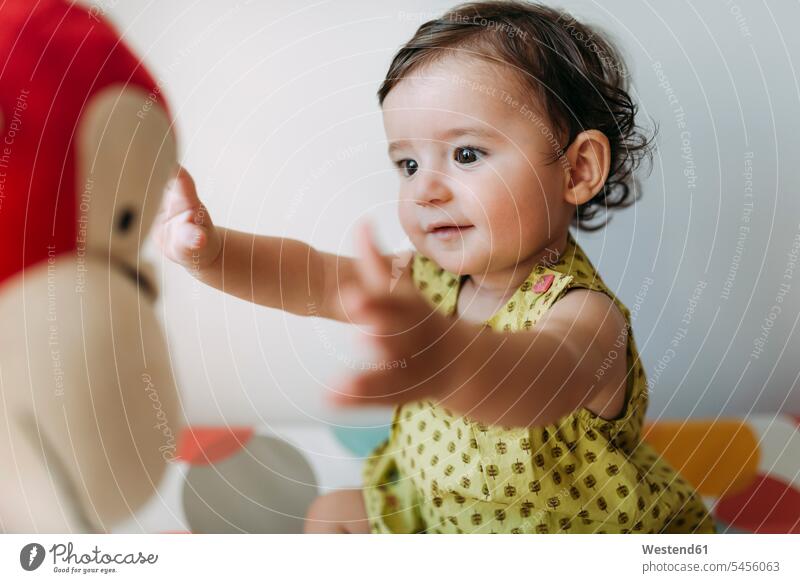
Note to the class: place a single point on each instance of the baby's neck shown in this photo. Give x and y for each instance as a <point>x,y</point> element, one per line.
<point>502,284</point>
<point>482,295</point>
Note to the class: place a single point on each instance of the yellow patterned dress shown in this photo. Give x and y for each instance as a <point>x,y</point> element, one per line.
<point>442,473</point>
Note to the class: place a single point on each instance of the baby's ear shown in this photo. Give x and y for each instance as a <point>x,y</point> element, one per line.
<point>589,157</point>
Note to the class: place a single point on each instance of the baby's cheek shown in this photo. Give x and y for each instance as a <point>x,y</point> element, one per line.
<point>407,220</point>
<point>511,237</point>
<point>504,225</point>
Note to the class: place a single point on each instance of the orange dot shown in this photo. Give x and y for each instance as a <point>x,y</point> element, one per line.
<point>206,445</point>
<point>716,457</point>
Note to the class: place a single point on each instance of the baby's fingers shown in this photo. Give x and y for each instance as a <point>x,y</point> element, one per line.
<point>383,311</point>
<point>184,241</point>
<point>389,384</point>
<point>181,203</point>
<point>373,269</point>
<point>182,195</point>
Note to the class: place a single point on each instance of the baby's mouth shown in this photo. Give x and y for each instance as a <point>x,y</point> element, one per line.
<point>450,233</point>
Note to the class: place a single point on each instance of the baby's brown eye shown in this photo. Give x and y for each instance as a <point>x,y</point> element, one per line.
<point>465,155</point>
<point>408,167</point>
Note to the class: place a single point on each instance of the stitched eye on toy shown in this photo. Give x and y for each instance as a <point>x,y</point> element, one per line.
<point>125,220</point>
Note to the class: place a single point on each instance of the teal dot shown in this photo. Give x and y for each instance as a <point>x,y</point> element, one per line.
<point>361,440</point>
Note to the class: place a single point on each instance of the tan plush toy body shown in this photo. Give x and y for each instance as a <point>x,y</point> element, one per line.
<point>89,412</point>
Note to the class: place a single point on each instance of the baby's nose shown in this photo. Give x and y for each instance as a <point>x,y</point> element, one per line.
<point>432,188</point>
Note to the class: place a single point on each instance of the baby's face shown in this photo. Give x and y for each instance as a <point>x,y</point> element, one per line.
<point>467,156</point>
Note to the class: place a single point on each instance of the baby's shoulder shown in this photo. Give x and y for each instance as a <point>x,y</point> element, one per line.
<point>588,309</point>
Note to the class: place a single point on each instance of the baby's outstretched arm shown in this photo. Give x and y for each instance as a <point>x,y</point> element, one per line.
<point>517,379</point>
<point>276,272</point>
<point>534,378</point>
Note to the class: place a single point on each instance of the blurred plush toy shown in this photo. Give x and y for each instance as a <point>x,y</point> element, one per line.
<point>89,411</point>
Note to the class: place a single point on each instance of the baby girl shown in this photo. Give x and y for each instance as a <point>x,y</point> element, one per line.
<point>518,390</point>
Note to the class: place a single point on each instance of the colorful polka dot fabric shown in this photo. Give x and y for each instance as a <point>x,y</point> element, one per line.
<point>749,469</point>
<point>440,473</point>
<point>262,480</point>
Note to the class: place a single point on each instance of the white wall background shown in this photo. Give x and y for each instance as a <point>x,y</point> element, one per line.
<point>278,121</point>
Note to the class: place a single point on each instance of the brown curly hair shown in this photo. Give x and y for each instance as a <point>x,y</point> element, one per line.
<point>575,71</point>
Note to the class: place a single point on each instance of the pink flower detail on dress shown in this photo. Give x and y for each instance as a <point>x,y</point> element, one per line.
<point>543,283</point>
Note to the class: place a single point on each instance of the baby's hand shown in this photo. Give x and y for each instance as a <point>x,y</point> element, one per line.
<point>417,345</point>
<point>183,227</point>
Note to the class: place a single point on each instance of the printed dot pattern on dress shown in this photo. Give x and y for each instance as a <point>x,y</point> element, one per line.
<point>442,473</point>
